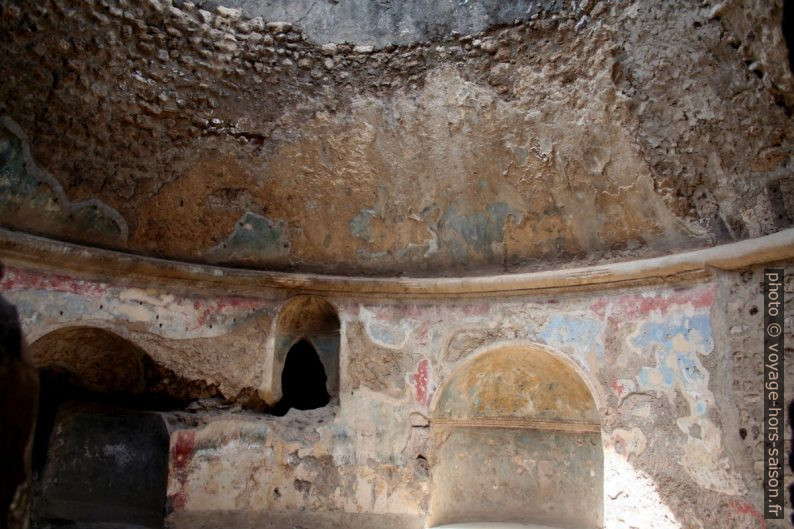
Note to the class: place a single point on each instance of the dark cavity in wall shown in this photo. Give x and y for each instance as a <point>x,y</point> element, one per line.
<point>303,380</point>
<point>101,447</point>
<point>306,354</point>
<point>98,457</point>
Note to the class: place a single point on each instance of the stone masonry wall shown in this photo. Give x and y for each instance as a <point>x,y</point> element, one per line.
<point>532,136</point>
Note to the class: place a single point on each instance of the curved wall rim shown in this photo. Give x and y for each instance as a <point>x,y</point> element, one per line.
<point>37,332</point>
<point>595,389</point>
<point>28,251</point>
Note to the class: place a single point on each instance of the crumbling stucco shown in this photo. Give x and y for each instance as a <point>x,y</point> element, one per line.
<point>650,357</point>
<point>367,139</point>
<point>579,134</point>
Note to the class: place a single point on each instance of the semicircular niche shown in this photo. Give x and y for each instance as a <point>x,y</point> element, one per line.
<point>517,438</point>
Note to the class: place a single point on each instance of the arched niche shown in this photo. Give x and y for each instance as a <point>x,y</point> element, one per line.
<point>100,455</point>
<point>517,439</point>
<point>95,359</point>
<point>307,321</point>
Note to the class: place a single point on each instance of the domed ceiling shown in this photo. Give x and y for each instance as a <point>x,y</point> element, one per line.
<point>374,137</point>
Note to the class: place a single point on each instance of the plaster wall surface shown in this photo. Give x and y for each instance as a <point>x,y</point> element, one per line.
<point>393,142</point>
<point>586,132</point>
<point>671,386</point>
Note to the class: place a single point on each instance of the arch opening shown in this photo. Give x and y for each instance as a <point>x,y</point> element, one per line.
<point>303,380</point>
<point>101,446</point>
<point>306,354</point>
<point>517,439</point>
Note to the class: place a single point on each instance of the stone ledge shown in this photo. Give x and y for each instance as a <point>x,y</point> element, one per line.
<point>29,251</point>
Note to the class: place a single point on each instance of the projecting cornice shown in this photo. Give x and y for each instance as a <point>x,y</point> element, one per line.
<point>32,252</point>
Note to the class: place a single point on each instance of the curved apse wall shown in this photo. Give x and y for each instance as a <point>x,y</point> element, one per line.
<point>666,352</point>
<point>468,143</point>
<point>448,141</point>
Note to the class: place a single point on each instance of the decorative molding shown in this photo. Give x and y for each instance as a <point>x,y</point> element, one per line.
<point>32,252</point>
<point>517,423</point>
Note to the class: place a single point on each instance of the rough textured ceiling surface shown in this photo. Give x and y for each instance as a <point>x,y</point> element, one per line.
<point>491,139</point>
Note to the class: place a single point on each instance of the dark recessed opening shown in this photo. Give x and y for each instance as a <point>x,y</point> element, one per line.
<point>97,458</point>
<point>101,448</point>
<point>303,380</point>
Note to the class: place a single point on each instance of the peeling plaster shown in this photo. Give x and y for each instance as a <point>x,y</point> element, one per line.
<point>254,237</point>
<point>66,300</point>
<point>33,199</point>
<point>642,351</point>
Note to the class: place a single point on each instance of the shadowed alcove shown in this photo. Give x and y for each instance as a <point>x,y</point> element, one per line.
<point>101,447</point>
<point>518,439</point>
<point>303,380</point>
<point>306,360</point>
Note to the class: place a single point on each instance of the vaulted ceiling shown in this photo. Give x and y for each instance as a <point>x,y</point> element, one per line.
<point>376,138</point>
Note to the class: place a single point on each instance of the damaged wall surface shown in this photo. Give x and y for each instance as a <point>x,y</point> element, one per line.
<point>664,368</point>
<point>520,243</point>
<point>487,137</point>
